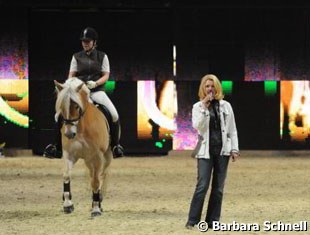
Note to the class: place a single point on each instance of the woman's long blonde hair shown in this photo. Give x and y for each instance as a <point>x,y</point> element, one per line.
<point>217,86</point>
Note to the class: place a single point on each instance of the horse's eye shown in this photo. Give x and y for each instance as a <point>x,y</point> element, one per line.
<point>75,106</point>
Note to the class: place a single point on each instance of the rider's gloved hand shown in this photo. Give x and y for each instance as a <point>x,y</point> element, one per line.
<point>91,84</point>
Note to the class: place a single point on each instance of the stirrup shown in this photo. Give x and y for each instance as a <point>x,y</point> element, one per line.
<point>51,151</point>
<point>118,151</point>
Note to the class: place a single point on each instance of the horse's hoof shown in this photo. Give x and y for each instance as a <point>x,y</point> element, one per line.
<point>95,213</point>
<point>68,209</point>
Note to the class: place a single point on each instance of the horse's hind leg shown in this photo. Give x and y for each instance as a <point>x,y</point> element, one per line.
<point>67,196</point>
<point>95,168</point>
<point>103,173</point>
<point>108,156</point>
<point>99,178</point>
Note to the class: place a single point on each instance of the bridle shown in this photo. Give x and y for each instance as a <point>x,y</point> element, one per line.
<point>74,121</point>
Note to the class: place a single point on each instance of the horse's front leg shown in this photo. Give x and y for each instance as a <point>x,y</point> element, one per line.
<point>67,196</point>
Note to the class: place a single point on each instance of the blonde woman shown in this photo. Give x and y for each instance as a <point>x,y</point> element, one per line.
<point>214,120</point>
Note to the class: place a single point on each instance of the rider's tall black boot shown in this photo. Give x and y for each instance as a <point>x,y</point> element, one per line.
<point>54,150</point>
<point>117,149</point>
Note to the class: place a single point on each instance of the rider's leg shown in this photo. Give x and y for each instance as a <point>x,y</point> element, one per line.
<point>101,97</point>
<point>54,150</point>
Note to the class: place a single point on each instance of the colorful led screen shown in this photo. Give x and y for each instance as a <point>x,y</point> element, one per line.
<point>295,111</point>
<point>14,80</point>
<point>157,108</point>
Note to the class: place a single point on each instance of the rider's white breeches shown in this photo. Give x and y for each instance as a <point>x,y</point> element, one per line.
<point>101,97</point>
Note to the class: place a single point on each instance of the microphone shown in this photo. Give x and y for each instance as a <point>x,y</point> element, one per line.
<point>212,95</point>
<point>213,106</point>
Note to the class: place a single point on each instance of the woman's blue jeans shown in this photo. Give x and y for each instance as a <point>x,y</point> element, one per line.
<point>217,167</point>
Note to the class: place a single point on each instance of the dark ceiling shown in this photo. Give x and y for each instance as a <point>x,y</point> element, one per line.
<point>155,3</point>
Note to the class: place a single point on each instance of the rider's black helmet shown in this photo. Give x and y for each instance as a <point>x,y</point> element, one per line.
<point>89,34</point>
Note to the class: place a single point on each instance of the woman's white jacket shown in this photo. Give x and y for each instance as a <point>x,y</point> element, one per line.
<point>201,120</point>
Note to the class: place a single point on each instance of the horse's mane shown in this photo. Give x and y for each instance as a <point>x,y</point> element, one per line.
<point>69,93</point>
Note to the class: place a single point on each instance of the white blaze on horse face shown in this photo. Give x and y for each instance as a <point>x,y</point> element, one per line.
<point>70,131</point>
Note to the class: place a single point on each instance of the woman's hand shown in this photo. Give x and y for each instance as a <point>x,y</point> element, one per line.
<point>207,100</point>
<point>234,156</point>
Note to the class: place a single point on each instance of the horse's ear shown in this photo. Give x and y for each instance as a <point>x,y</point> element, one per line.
<point>79,87</point>
<point>58,85</point>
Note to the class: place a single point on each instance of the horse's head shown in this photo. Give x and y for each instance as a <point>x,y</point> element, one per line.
<point>71,103</point>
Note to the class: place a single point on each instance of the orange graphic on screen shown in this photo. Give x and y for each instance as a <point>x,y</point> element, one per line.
<point>14,100</point>
<point>295,110</point>
<point>156,110</point>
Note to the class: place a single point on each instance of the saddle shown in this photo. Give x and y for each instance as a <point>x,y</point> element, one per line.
<point>105,112</point>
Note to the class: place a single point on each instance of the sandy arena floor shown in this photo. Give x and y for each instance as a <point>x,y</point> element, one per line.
<point>151,195</point>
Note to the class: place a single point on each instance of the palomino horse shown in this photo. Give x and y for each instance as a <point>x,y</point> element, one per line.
<point>85,135</point>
